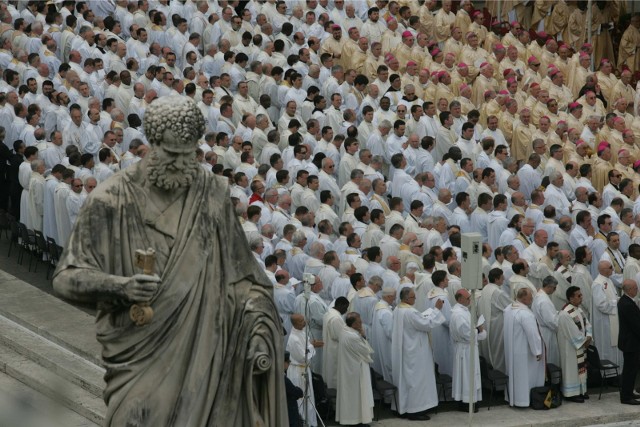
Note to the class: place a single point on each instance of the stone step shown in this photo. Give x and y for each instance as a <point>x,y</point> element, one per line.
<point>49,317</point>
<point>53,357</point>
<point>20,405</point>
<point>62,391</point>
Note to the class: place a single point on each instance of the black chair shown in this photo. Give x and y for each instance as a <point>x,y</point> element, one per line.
<point>41,249</point>
<point>443,381</point>
<point>14,238</point>
<point>493,378</point>
<point>27,244</point>
<point>5,223</point>
<point>54,255</point>
<point>380,389</point>
<point>606,368</point>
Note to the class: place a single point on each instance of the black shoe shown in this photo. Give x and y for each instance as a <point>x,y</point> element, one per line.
<point>418,416</point>
<point>576,399</point>
<point>585,396</point>
<point>630,402</point>
<point>635,396</point>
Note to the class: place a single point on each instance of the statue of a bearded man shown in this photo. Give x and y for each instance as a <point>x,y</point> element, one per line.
<point>212,353</point>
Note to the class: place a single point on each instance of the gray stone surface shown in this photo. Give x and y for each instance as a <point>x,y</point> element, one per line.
<point>22,406</point>
<point>51,356</point>
<point>48,317</point>
<point>46,382</point>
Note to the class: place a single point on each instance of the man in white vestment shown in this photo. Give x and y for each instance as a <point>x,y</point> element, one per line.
<point>354,400</point>
<point>36,194</point>
<point>547,317</point>
<point>604,314</point>
<point>519,279</point>
<point>332,325</point>
<point>523,349</point>
<point>491,305</point>
<point>440,339</point>
<point>365,301</point>
<point>313,308</point>
<point>574,336</point>
<point>285,298</point>
<point>49,226</point>
<point>381,333</point>
<point>302,351</point>
<point>411,360</point>
<point>60,195</point>
<point>460,327</point>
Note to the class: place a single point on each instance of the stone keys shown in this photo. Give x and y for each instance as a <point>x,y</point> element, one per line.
<point>141,313</point>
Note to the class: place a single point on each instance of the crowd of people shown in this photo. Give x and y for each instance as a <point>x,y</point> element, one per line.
<point>360,139</point>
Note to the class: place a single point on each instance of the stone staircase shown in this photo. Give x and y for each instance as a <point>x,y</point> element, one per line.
<point>50,346</point>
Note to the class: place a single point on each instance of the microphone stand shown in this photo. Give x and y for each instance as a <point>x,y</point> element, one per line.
<point>307,377</point>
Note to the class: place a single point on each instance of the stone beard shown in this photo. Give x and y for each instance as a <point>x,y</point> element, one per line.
<point>212,354</point>
<point>169,171</point>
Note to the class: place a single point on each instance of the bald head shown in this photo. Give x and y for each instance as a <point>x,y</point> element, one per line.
<point>605,268</point>
<point>297,321</point>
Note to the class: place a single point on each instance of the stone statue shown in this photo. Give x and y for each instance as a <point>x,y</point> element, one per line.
<point>212,353</point>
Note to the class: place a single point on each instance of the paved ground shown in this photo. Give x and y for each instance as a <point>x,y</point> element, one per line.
<point>25,407</point>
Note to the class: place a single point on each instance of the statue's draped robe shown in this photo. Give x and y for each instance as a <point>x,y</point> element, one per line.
<point>212,355</point>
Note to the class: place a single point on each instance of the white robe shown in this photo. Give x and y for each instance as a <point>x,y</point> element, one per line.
<point>441,341</point>
<point>49,226</point>
<point>354,400</point>
<point>332,327</point>
<point>522,343</point>
<point>571,338</point>
<point>412,363</point>
<point>36,201</point>
<point>296,372</point>
<point>24,178</point>
<point>315,312</point>
<point>460,328</point>
<point>547,317</point>
<point>74,203</point>
<point>380,339</point>
<point>63,222</point>
<point>604,318</point>
<point>285,299</point>
<point>491,305</point>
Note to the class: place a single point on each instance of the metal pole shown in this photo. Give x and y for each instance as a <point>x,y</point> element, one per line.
<point>472,358</point>
<point>589,18</point>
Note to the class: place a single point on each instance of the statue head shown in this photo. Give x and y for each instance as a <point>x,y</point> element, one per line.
<point>175,123</point>
<point>173,126</point>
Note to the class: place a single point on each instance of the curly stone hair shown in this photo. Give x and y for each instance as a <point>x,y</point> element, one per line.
<point>177,114</point>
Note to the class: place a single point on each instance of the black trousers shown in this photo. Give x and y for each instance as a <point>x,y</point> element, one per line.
<point>629,373</point>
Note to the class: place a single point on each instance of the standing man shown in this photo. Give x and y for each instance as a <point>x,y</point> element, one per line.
<point>604,314</point>
<point>574,337</point>
<point>523,348</point>
<point>411,358</point>
<point>491,305</point>
<point>332,325</point>
<point>629,341</point>
<point>460,327</point>
<point>302,351</point>
<point>354,401</point>
<point>547,317</point>
<point>313,312</point>
<point>381,333</point>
